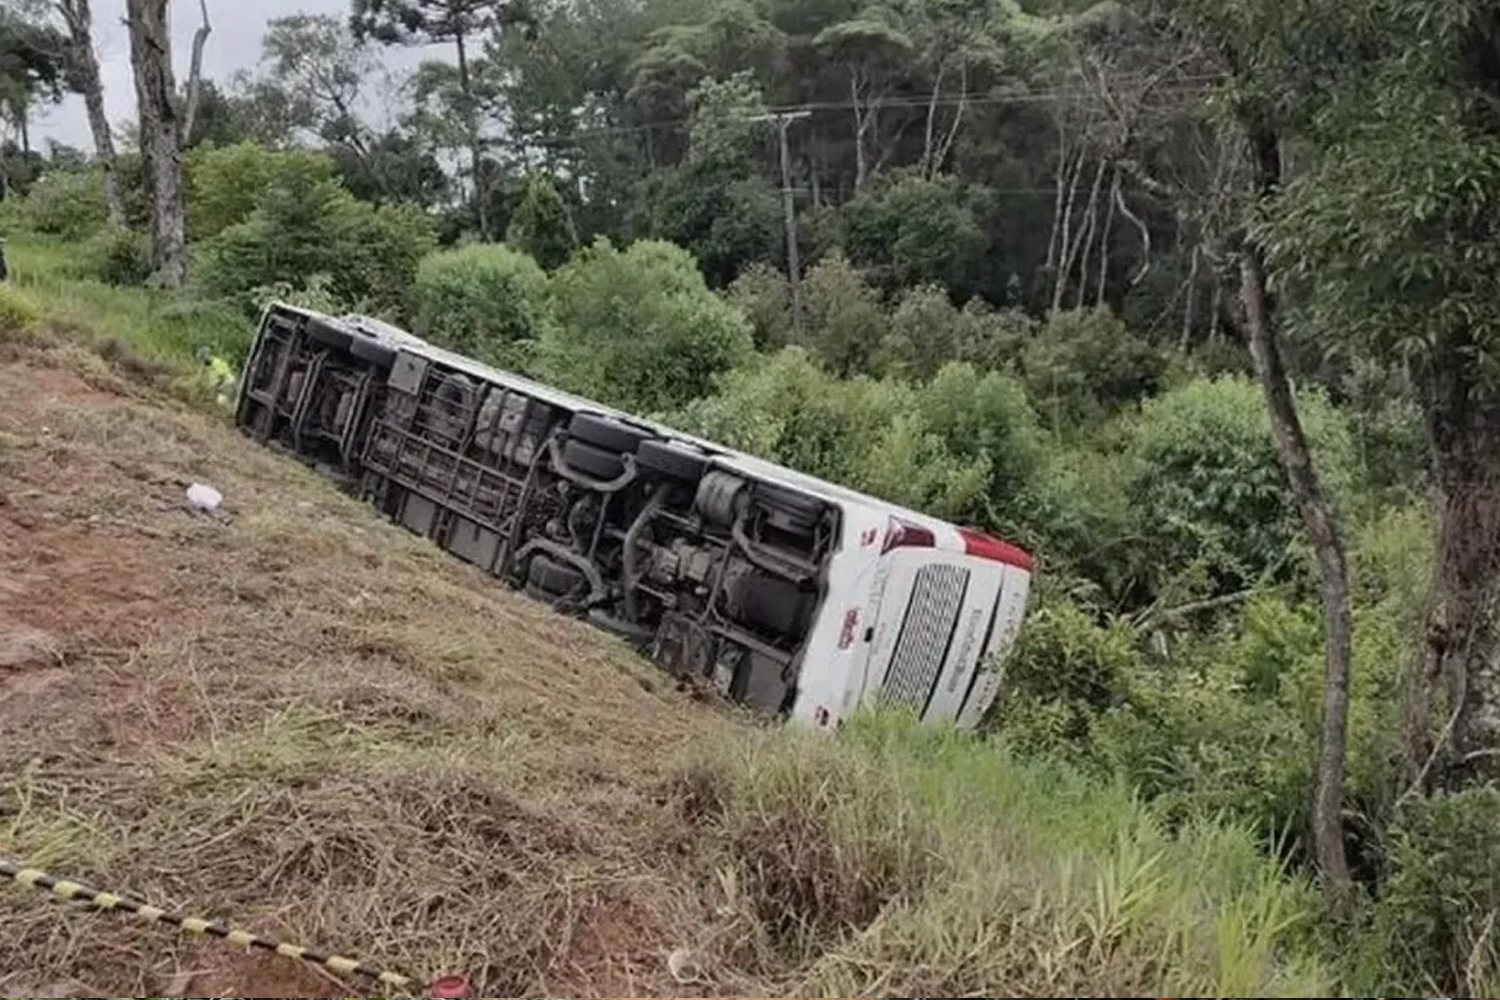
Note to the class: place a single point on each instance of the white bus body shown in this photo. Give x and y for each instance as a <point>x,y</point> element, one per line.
<point>789,594</point>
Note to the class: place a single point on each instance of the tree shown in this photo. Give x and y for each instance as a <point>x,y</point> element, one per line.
<point>161,136</point>
<point>1391,234</point>
<point>32,68</point>
<point>324,72</point>
<point>1261,52</point>
<point>427,22</point>
<point>541,225</point>
<point>78,16</point>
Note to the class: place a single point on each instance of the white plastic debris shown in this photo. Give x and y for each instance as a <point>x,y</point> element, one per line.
<point>204,497</point>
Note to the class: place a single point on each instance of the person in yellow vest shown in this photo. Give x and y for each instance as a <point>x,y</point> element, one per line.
<point>220,376</point>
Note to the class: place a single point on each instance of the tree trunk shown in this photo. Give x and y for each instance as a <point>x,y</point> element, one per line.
<point>161,149</point>
<point>946,146</point>
<point>79,18</point>
<point>1065,247</point>
<point>862,121</point>
<point>195,77</point>
<point>928,151</point>
<point>471,126</point>
<point>1462,636</point>
<point>1323,530</point>
<point>1104,239</point>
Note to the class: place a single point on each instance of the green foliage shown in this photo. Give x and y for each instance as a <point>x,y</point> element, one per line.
<point>541,225</point>
<point>304,225</point>
<point>1207,486</point>
<point>1086,364</point>
<point>638,328</point>
<point>764,295</point>
<point>1436,914</point>
<point>66,203</point>
<point>314,292</point>
<point>845,324</point>
<point>227,185</point>
<point>939,447</point>
<point>912,230</point>
<point>927,330</point>
<point>116,256</point>
<point>1066,671</point>
<point>484,300</point>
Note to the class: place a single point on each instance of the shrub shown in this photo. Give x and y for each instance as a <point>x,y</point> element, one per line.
<point>1086,364</point>
<point>1435,921</point>
<point>844,321</point>
<point>227,184</point>
<point>484,300</point>
<point>639,328</point>
<point>541,225</point>
<point>67,203</point>
<point>1207,487</point>
<point>765,296</point>
<point>302,226</point>
<point>913,230</point>
<point>939,448</point>
<point>116,257</point>
<point>927,330</point>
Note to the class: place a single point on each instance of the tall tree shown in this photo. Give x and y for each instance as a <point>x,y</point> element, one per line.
<point>463,23</point>
<point>1393,234</point>
<point>164,121</point>
<point>78,17</point>
<point>32,68</point>
<point>324,73</point>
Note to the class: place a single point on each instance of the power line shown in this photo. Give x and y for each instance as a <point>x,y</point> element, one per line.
<point>1184,86</point>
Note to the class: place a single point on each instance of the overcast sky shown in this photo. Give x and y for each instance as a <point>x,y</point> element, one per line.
<point>234,45</point>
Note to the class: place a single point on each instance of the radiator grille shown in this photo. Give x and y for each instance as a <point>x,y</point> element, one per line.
<point>936,599</point>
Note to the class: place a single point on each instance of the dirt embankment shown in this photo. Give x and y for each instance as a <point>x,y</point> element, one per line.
<point>294,715</point>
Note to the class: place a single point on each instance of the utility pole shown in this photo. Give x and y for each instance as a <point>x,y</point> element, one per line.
<point>789,208</point>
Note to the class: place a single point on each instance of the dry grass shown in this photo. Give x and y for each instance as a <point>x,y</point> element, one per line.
<point>302,717</point>
<point>295,715</point>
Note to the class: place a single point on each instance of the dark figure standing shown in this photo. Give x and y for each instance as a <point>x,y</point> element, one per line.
<point>4,269</point>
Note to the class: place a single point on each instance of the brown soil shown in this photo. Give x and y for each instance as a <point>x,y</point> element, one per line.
<point>297,717</point>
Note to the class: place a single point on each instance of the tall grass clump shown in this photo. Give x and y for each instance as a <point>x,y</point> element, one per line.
<point>899,860</point>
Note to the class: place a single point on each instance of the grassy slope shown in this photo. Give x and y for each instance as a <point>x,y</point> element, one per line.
<point>305,718</point>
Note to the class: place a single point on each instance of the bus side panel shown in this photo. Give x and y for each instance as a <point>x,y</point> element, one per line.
<point>833,661</point>
<point>986,682</point>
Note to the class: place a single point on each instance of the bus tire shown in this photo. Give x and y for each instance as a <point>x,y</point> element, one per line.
<point>671,461</point>
<point>591,461</point>
<point>610,435</point>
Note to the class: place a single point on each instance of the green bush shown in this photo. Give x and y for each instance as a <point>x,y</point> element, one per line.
<point>844,321</point>
<point>116,257</point>
<point>943,448</point>
<point>226,185</point>
<point>912,230</point>
<point>764,295</point>
<point>1435,920</point>
<point>1439,906</point>
<point>303,225</point>
<point>485,300</point>
<point>927,331</point>
<point>1065,672</point>
<point>1086,364</point>
<point>541,225</point>
<point>638,328</point>
<point>67,203</point>
<point>1207,487</point>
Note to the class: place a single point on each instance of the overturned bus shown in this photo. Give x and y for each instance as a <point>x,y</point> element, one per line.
<point>790,595</point>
